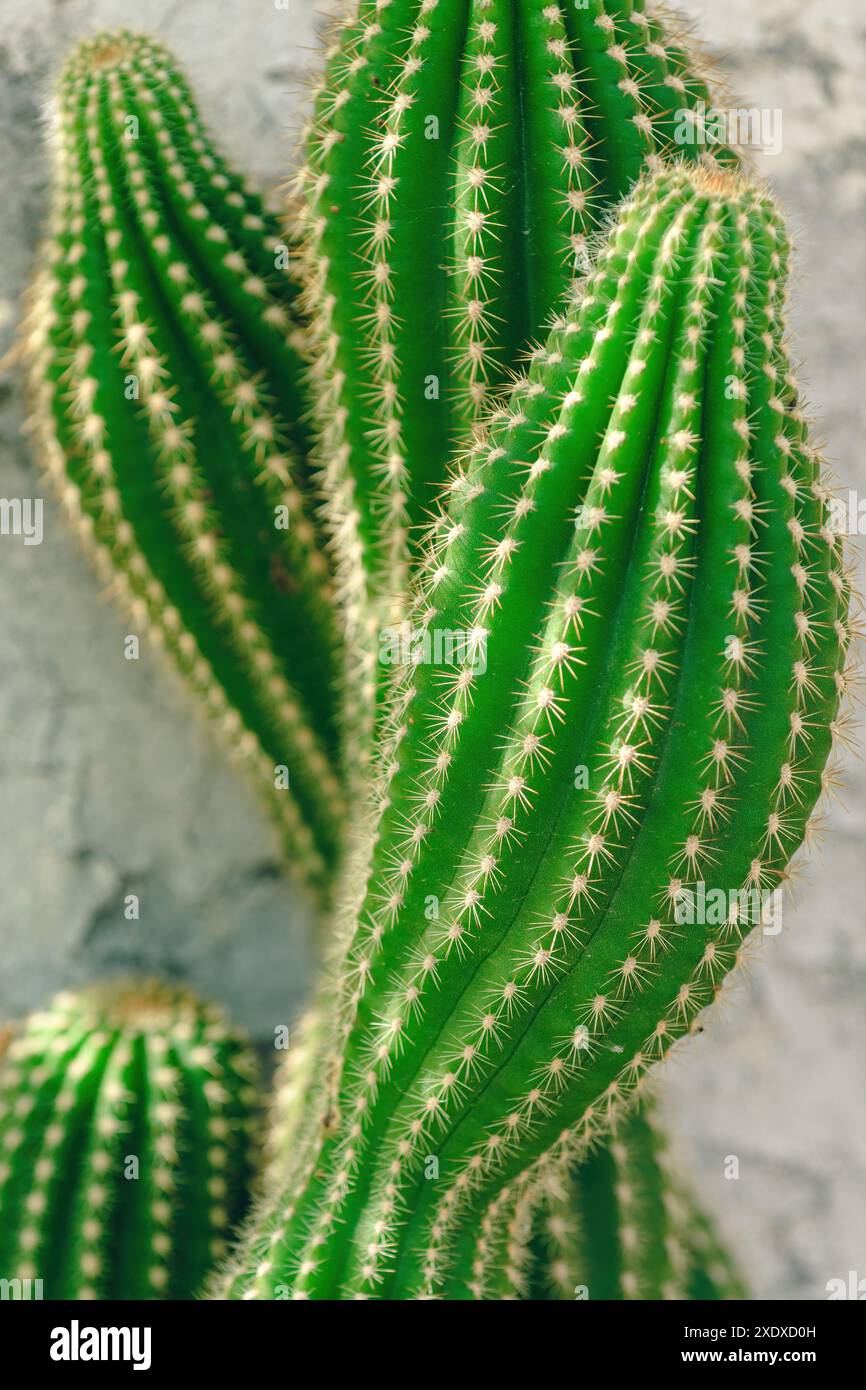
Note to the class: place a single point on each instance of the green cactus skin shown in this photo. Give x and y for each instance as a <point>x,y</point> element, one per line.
<point>617,1226</point>
<point>128,1069</point>
<point>459,156</point>
<point>640,545</point>
<point>165,279</point>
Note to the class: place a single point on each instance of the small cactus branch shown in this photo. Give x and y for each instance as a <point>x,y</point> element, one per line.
<point>619,1226</point>
<point>127,1124</point>
<point>168,405</point>
<point>638,725</point>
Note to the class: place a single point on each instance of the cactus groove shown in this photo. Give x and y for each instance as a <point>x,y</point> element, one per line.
<point>638,551</point>
<point>127,1125</point>
<point>169,406</point>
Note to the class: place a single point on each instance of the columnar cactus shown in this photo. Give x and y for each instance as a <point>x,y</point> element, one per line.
<point>127,1129</point>
<point>619,1225</point>
<point>169,406</point>
<point>634,729</point>
<point>459,156</point>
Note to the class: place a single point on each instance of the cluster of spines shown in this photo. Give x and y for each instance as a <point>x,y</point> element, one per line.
<point>128,1128</point>
<point>674,522</point>
<point>408,207</point>
<point>162,271</point>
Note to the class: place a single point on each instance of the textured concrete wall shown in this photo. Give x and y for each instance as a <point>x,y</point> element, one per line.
<point>111,784</point>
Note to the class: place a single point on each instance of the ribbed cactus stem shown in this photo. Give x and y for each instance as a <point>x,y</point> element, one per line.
<point>460,154</point>
<point>638,547</point>
<point>168,402</point>
<point>127,1124</point>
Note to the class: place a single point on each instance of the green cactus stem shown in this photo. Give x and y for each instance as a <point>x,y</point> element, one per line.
<point>169,407</point>
<point>460,155</point>
<point>619,1225</point>
<point>639,724</point>
<point>128,1117</point>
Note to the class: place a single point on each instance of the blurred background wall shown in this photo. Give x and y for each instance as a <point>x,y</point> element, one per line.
<point>110,783</point>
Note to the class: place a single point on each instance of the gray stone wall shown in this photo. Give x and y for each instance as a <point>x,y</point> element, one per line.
<point>110,782</point>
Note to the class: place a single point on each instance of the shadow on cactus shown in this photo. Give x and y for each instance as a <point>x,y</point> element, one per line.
<point>639,549</point>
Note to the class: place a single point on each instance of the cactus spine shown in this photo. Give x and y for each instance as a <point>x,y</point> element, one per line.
<point>619,1225</point>
<point>663,619</point>
<point>169,406</point>
<point>127,1122</point>
<point>459,155</point>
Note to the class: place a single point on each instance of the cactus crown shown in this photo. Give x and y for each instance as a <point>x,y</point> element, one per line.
<point>127,1121</point>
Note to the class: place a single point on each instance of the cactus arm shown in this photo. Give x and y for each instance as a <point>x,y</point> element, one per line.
<point>670,73</point>
<point>620,125</point>
<point>144,287</point>
<point>535,721</point>
<point>708,966</point>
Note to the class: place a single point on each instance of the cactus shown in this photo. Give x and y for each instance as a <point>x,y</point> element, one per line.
<point>170,408</point>
<point>459,156</point>
<point>618,1226</point>
<point>656,618</point>
<point>127,1121</point>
